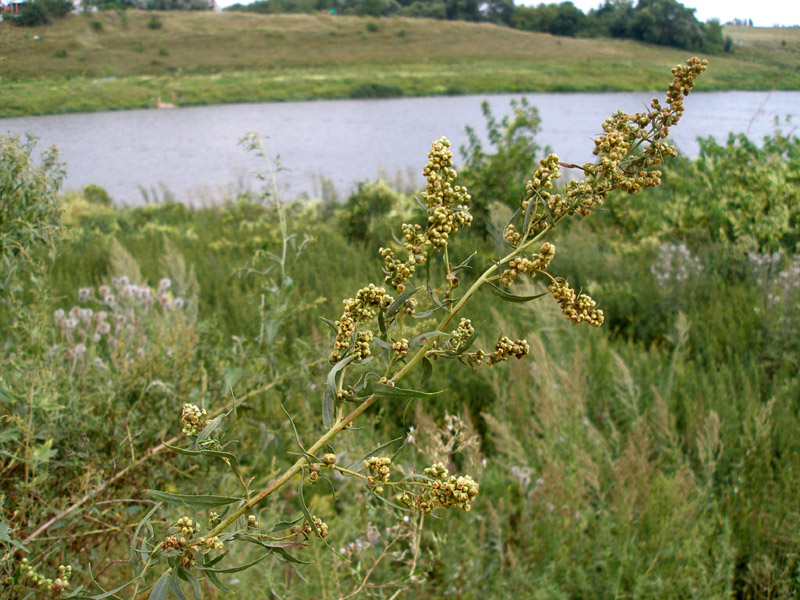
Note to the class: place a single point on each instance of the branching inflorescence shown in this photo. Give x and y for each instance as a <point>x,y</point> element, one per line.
<point>381,337</point>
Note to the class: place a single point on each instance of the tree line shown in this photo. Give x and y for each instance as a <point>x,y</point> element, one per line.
<point>661,22</point>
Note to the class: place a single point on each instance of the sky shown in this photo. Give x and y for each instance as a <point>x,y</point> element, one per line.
<point>765,13</point>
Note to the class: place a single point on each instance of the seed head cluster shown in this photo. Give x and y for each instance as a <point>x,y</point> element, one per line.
<point>617,166</point>
<point>358,310</point>
<point>379,471</point>
<point>461,334</point>
<point>400,347</point>
<point>193,419</point>
<point>318,528</point>
<point>448,211</point>
<point>580,309</point>
<point>53,587</point>
<point>537,263</point>
<point>445,491</point>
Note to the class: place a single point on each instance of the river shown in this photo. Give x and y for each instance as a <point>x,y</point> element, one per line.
<point>194,152</point>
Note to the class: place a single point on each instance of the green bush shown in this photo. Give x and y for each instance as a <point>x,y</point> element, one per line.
<point>42,12</point>
<point>376,90</point>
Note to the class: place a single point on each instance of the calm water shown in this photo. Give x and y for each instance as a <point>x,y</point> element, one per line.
<point>194,152</point>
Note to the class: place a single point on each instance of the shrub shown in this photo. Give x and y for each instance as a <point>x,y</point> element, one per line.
<point>376,90</point>
<point>29,212</point>
<point>42,12</point>
<point>154,23</point>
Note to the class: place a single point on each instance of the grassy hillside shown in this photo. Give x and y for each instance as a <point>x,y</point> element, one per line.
<point>116,60</point>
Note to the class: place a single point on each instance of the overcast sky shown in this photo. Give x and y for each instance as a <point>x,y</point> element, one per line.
<point>765,13</point>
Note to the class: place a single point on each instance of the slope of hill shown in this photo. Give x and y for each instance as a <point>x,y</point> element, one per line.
<point>117,60</point>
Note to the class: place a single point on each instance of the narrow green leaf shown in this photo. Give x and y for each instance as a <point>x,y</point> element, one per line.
<point>280,550</point>
<point>294,429</point>
<point>110,593</point>
<point>145,522</point>
<point>331,323</point>
<point>327,409</point>
<point>427,369</point>
<point>329,394</point>
<point>161,587</point>
<point>193,581</point>
<point>504,295</point>
<point>382,344</point>
<point>5,536</point>
<point>394,393</point>
<point>465,263</point>
<point>216,453</point>
<point>399,302</point>
<point>382,324</point>
<point>526,219</point>
<point>282,525</point>
<point>358,466</point>
<point>234,569</point>
<point>209,429</point>
<point>193,501</point>
<point>175,584</point>
<point>424,337</point>
<point>389,502</point>
<point>212,577</point>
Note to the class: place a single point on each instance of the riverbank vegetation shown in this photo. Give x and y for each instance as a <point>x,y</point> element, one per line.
<point>207,58</point>
<point>655,456</point>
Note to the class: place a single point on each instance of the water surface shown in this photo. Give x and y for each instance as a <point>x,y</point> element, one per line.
<point>194,152</point>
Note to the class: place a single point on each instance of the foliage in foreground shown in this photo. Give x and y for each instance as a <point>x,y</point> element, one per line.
<point>657,461</point>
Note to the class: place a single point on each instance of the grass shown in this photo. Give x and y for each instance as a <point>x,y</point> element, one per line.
<point>207,58</point>
<point>655,457</point>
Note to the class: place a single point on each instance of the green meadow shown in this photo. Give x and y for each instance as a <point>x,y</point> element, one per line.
<point>116,60</point>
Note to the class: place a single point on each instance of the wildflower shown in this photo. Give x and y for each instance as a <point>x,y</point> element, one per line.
<point>178,303</point>
<point>164,284</point>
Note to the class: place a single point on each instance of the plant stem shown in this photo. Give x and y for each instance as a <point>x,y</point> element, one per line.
<point>297,467</point>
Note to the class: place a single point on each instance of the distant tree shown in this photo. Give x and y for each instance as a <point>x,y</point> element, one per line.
<point>569,21</point>
<point>614,17</point>
<point>425,9</point>
<point>463,10</point>
<point>498,11</point>
<point>666,23</point>
<point>558,19</point>
<point>178,5</point>
<point>42,12</point>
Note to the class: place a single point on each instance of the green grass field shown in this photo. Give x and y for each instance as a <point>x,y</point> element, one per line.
<point>112,60</point>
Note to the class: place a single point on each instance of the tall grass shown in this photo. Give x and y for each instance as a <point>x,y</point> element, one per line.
<point>656,457</point>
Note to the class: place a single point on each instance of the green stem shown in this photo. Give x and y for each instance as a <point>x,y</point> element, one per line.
<point>297,467</point>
